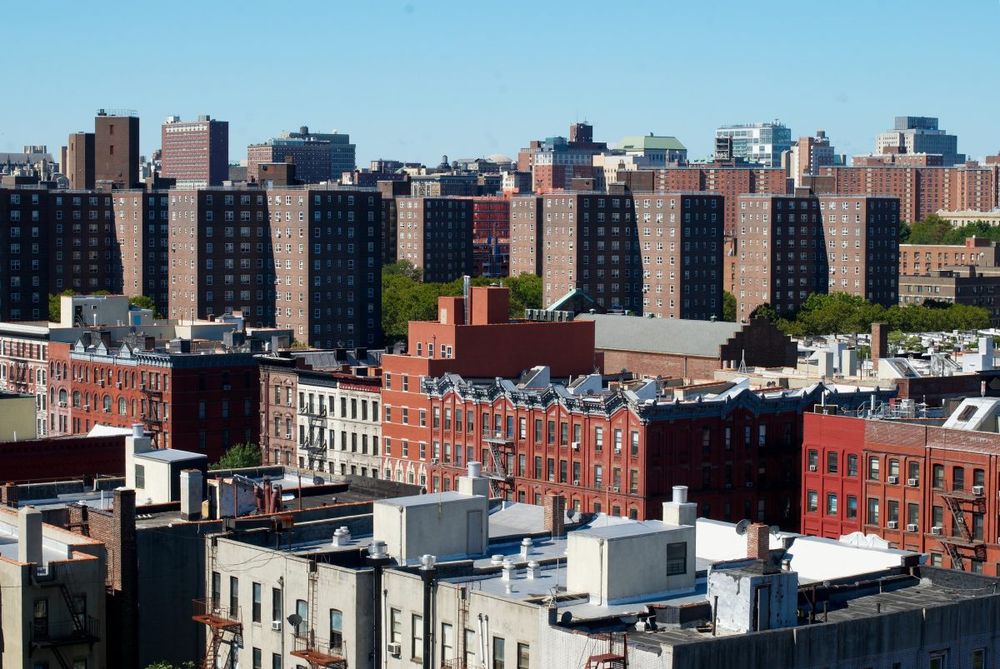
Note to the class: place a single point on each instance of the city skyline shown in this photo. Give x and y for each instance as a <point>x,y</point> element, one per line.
<point>424,50</point>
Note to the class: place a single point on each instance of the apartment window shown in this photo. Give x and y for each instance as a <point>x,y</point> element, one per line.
<point>275,661</point>
<point>470,648</point>
<point>140,476</point>
<point>852,506</point>
<point>812,500</point>
<point>256,659</point>
<point>417,637</point>
<point>892,506</point>
<point>831,462</point>
<point>938,660</point>
<point>302,608</point>
<point>913,470</point>
<point>937,516</point>
<point>523,655</point>
<point>256,602</point>
<point>498,652</point>
<point>447,642</point>
<point>873,511</point>
<point>336,628</point>
<point>938,476</point>
<point>676,558</point>
<point>395,626</point>
<point>873,468</point>
<point>276,607</point>
<point>635,442</point>
<point>912,513</point>
<point>958,478</point>
<point>813,460</point>
<point>831,504</point>
<point>852,465</point>
<point>234,596</point>
<point>598,438</point>
<point>978,659</point>
<point>978,477</point>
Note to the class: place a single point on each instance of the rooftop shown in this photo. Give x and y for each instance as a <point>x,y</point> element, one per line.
<point>660,335</point>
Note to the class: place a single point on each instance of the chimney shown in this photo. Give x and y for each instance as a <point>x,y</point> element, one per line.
<point>29,535</point>
<point>191,487</point>
<point>526,545</point>
<point>879,343</point>
<point>474,483</point>
<point>759,542</point>
<point>679,511</point>
<point>555,515</point>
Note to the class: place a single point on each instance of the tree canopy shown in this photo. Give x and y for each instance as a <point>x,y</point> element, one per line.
<point>936,230</point>
<point>239,456</point>
<point>728,306</point>
<point>405,298</point>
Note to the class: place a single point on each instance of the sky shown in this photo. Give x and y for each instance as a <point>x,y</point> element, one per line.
<point>416,79</point>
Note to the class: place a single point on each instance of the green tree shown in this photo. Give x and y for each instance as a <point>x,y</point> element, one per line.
<point>765,311</point>
<point>728,306</point>
<point>144,302</point>
<point>239,456</point>
<point>904,232</point>
<point>55,304</point>
<point>403,268</point>
<point>931,230</point>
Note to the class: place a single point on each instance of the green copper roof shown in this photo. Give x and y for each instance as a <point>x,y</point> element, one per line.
<point>641,142</point>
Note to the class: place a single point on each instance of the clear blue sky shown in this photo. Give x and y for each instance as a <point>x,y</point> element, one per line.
<point>414,79</point>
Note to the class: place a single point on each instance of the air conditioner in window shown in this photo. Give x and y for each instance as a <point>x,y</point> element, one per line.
<point>618,450</point>
<point>912,482</point>
<point>434,461</point>
<point>892,524</point>
<point>576,482</point>
<point>812,468</point>
<point>575,445</point>
<point>936,530</point>
<point>892,479</point>
<point>275,625</point>
<point>911,527</point>
<point>615,489</point>
<point>394,649</point>
<point>977,490</point>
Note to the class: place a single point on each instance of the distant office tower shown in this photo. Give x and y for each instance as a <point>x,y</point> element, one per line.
<point>317,156</point>
<point>79,167</point>
<point>658,254</point>
<point>808,154</point>
<point>116,149</point>
<point>555,161</point>
<point>761,143</point>
<point>435,235</point>
<point>792,246</point>
<point>195,153</point>
<point>919,134</point>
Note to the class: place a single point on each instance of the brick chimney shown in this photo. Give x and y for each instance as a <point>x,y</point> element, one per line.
<point>879,343</point>
<point>759,542</point>
<point>555,514</point>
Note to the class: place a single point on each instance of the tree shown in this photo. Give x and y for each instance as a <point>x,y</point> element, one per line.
<point>55,304</point>
<point>144,302</point>
<point>904,232</point>
<point>239,456</point>
<point>765,311</point>
<point>728,306</point>
<point>931,230</point>
<point>403,268</point>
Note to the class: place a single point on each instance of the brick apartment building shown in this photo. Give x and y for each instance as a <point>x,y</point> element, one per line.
<point>490,236</point>
<point>791,246</point>
<point>193,396</point>
<point>917,259</point>
<point>304,259</point>
<point>525,235</point>
<point>24,366</point>
<point>79,167</point>
<point>919,487</point>
<point>435,235</point>
<point>195,153</point>
<point>142,221</point>
<point>921,190</point>
<point>658,254</point>
<point>617,449</point>
<point>977,287</point>
<point>556,161</point>
<point>116,149</point>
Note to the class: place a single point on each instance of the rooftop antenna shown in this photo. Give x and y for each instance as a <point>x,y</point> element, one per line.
<point>743,361</point>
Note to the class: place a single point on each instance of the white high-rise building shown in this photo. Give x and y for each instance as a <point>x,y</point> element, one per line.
<point>761,143</point>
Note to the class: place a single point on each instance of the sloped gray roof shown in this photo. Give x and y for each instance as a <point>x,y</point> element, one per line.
<point>660,335</point>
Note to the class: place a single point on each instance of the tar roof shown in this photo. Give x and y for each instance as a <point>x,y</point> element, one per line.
<point>660,335</point>
<point>171,455</point>
<point>424,500</point>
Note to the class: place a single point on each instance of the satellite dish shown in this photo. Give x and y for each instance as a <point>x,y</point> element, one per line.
<point>775,530</point>
<point>742,526</point>
<point>294,620</point>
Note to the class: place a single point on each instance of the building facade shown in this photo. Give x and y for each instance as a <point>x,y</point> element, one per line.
<point>116,149</point>
<point>434,234</point>
<point>339,423</point>
<point>917,259</point>
<point>965,285</point>
<point>491,236</point>
<point>195,153</point>
<point>761,143</point>
<point>919,134</point>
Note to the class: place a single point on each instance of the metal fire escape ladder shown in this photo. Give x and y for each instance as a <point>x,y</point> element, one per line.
<point>964,541</point>
<point>616,656</point>
<point>500,479</point>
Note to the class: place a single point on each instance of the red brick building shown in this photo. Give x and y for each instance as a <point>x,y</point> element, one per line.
<point>919,487</point>
<point>195,153</point>
<point>490,236</point>
<point>922,259</point>
<point>618,449</point>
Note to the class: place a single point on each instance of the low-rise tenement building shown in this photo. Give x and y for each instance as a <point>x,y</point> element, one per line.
<point>920,486</point>
<point>789,247</point>
<point>973,286</point>
<point>52,599</point>
<point>917,259</point>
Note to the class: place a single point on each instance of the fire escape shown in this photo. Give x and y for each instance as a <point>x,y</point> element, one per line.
<point>314,445</point>
<point>615,657</point>
<point>224,626</point>
<point>962,542</point>
<point>501,481</point>
<point>79,629</point>
<point>319,654</point>
<point>152,419</point>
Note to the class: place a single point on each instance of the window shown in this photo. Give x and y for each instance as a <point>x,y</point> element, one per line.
<point>958,478</point>
<point>852,465</point>
<point>275,661</point>
<point>140,476</point>
<point>852,506</point>
<point>598,438</point>
<point>276,607</point>
<point>470,648</point>
<point>447,642</point>
<point>336,628</point>
<point>873,511</point>
<point>256,659</point>
<point>234,596</point>
<point>256,602</point>
<point>892,506</point>
<point>524,655</point>
<point>813,460</point>
<point>676,558</point>
<point>416,637</point>
<point>913,470</point>
<point>873,469</point>
<point>302,608</point>
<point>938,660</point>
<point>831,462</point>
<point>894,468</point>
<point>978,659</point>
<point>498,652</point>
<point>812,500</point>
<point>395,626</point>
<point>938,476</point>
<point>912,513</point>
<point>831,504</point>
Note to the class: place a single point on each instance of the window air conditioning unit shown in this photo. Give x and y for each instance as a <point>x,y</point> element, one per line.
<point>394,649</point>
<point>977,490</point>
<point>912,527</point>
<point>892,524</point>
<point>912,483</point>
<point>275,625</point>
<point>812,468</point>
<point>575,445</point>
<point>434,461</point>
<point>576,482</point>
<point>936,530</point>
<point>893,479</point>
<point>618,450</point>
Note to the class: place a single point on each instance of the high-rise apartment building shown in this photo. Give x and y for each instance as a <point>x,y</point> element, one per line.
<point>141,221</point>
<point>526,235</point>
<point>761,143</point>
<point>791,246</point>
<point>808,154</point>
<point>435,235</point>
<point>490,236</point>
<point>317,156</point>
<point>919,134</point>
<point>653,254</point>
<point>195,153</point>
<point>304,259</point>
<point>342,152</point>
<point>555,161</point>
<point>116,149</point>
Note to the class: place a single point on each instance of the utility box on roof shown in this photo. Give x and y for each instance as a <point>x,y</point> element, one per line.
<point>448,525</point>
